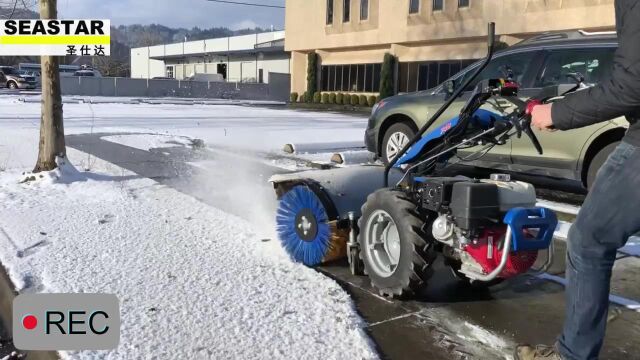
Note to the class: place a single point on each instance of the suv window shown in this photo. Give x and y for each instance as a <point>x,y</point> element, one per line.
<point>9,71</point>
<point>517,64</point>
<point>594,64</point>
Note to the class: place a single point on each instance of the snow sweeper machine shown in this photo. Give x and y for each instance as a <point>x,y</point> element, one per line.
<point>393,221</point>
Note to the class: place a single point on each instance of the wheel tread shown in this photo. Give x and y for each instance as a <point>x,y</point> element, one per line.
<point>422,256</point>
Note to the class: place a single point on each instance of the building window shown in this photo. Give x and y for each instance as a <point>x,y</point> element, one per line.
<point>352,78</point>
<point>170,73</point>
<point>364,9</point>
<point>414,6</point>
<point>418,76</point>
<point>329,12</point>
<point>438,5</point>
<point>346,10</point>
<point>463,3</point>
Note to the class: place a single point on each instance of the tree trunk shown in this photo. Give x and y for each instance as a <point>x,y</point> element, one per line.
<point>51,126</point>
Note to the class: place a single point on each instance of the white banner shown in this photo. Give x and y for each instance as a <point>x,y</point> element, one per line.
<point>22,37</point>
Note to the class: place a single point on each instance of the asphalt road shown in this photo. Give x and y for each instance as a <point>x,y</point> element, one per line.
<point>448,320</point>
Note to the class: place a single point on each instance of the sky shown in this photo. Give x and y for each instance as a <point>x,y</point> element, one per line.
<point>176,13</point>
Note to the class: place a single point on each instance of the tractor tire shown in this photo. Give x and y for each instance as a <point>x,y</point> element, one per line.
<point>394,139</point>
<point>597,162</point>
<point>395,251</point>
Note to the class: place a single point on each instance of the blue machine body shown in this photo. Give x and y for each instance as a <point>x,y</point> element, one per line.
<point>483,119</point>
<point>543,220</point>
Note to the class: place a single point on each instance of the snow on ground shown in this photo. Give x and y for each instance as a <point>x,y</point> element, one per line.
<point>194,282</point>
<point>254,128</point>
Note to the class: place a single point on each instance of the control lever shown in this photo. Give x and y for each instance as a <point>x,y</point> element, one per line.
<point>525,124</point>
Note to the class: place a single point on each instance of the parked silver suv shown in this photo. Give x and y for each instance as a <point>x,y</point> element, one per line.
<point>14,80</point>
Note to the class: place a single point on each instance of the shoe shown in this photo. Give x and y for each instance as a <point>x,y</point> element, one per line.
<point>538,352</point>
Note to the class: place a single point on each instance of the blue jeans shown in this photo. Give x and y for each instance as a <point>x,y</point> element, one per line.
<point>609,216</point>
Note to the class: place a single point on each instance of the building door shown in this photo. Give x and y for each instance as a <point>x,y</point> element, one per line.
<point>261,76</point>
<point>222,70</point>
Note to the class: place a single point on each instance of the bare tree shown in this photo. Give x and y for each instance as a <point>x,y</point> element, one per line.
<point>52,143</point>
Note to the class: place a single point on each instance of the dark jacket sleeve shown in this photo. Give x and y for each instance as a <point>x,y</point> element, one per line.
<point>620,94</point>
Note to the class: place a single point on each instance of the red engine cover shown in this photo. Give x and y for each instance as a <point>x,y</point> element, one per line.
<point>517,262</point>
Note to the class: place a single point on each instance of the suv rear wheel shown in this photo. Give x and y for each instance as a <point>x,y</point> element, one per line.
<point>396,137</point>
<point>598,161</point>
<point>12,85</point>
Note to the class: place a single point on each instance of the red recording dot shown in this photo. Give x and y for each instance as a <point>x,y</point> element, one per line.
<point>29,322</point>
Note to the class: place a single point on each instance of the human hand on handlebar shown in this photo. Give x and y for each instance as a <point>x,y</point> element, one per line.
<point>541,117</point>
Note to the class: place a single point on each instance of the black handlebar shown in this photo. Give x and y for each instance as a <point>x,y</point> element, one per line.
<point>490,48</point>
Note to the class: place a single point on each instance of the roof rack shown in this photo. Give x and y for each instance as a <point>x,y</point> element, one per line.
<point>596,33</point>
<point>546,36</point>
<point>566,35</point>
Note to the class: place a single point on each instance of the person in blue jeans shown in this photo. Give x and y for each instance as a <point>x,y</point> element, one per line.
<point>611,212</point>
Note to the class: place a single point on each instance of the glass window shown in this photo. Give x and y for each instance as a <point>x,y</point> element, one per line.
<point>329,12</point>
<point>463,3</point>
<point>353,77</point>
<point>170,72</point>
<point>403,77</point>
<point>515,64</point>
<point>377,72</point>
<point>423,77</point>
<point>438,5</point>
<point>443,72</point>
<point>339,78</point>
<point>332,78</point>
<point>455,68</point>
<point>414,6</point>
<point>412,81</point>
<point>364,9</point>
<point>325,78</point>
<point>345,77</point>
<point>361,78</point>
<point>346,10</point>
<point>369,75</point>
<point>433,75</point>
<point>593,64</point>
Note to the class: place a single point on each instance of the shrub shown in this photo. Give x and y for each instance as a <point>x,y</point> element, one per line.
<point>355,100</point>
<point>371,100</point>
<point>339,97</point>
<point>312,75</point>
<point>325,98</point>
<point>294,97</point>
<point>332,98</point>
<point>347,99</point>
<point>378,98</point>
<point>362,100</point>
<point>386,76</point>
<point>303,97</point>
<point>316,98</point>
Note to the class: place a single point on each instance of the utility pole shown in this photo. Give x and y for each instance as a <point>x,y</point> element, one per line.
<point>51,143</point>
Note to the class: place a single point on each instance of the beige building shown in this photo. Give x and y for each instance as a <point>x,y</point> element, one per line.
<point>432,39</point>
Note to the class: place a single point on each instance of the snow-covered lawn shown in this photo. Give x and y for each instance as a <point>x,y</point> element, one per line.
<point>194,282</point>
<point>254,128</point>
